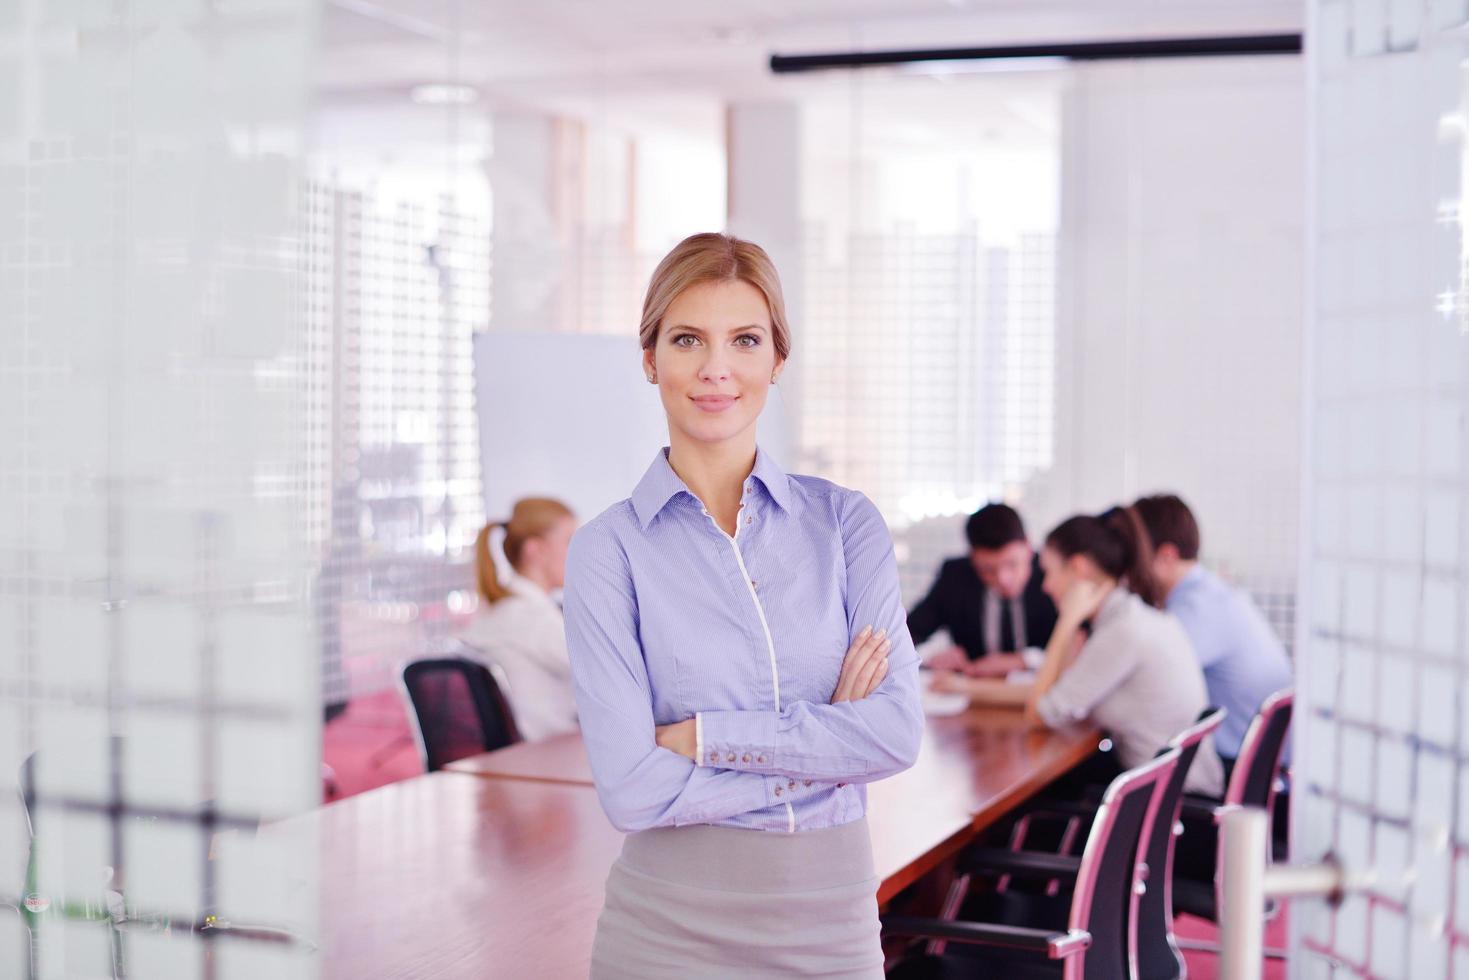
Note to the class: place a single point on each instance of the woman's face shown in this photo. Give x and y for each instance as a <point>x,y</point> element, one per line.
<point>1062,572</point>
<point>714,361</point>
<point>1057,577</point>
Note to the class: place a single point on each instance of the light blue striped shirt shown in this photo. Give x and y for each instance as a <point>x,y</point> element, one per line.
<point>669,618</point>
<point>1244,661</point>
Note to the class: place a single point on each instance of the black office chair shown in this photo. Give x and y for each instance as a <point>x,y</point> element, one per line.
<point>1253,784</point>
<point>1097,942</point>
<point>1158,956</point>
<point>457,709</point>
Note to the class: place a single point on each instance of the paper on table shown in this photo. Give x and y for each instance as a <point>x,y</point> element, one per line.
<point>941,704</point>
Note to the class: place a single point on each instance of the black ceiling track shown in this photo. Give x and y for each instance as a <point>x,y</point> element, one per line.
<point>1179,47</point>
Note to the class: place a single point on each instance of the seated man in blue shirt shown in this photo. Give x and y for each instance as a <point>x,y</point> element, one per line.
<point>1243,660</point>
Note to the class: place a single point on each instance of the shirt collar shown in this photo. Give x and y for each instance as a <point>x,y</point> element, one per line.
<point>660,484</point>
<point>773,478</point>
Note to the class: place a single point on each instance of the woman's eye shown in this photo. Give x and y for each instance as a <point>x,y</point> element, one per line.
<point>753,341</point>
<point>679,341</point>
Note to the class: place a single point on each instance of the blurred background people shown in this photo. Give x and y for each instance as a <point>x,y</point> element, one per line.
<point>518,626</point>
<point>990,602</point>
<point>1243,660</point>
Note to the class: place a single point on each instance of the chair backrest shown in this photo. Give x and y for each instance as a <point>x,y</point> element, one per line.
<point>1104,902</point>
<point>1158,957</point>
<point>1253,781</point>
<point>456,708</point>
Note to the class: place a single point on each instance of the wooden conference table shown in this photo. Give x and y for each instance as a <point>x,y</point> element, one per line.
<point>495,866</point>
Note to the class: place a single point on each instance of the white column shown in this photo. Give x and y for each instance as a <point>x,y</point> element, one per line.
<point>763,148</point>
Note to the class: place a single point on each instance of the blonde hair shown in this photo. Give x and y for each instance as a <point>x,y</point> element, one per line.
<point>714,257</point>
<point>531,517</point>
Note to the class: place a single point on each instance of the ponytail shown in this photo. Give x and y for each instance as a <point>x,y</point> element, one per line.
<point>1117,541</point>
<point>1138,548</point>
<point>486,577</point>
<point>531,517</point>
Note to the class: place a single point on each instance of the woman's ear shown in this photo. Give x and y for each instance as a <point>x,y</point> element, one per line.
<point>649,370</point>
<point>780,365</point>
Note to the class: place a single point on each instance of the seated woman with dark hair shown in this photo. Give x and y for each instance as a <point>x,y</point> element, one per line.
<point>1114,659</point>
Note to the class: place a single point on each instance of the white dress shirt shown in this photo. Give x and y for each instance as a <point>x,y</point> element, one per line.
<point>524,634</point>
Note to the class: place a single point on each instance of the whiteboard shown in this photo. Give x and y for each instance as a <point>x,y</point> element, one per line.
<point>571,416</point>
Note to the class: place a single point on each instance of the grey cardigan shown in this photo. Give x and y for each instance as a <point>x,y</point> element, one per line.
<point>1136,676</point>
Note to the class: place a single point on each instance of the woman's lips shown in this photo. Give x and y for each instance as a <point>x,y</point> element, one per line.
<point>715,403</point>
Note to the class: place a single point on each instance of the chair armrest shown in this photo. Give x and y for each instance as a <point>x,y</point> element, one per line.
<point>1199,808</point>
<point>1066,808</point>
<point>1029,864</point>
<point>1056,945</point>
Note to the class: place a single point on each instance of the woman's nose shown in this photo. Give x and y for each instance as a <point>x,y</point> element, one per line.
<point>714,368</point>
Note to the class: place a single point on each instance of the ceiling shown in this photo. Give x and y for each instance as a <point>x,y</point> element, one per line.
<point>555,53</point>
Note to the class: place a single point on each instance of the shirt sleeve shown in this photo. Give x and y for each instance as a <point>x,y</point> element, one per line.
<point>854,741</point>
<point>1100,667</point>
<point>639,783</point>
<point>926,619</point>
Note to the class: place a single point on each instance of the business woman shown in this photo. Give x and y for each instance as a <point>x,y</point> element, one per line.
<point>741,662</point>
<point>518,625</point>
<point>1134,673</point>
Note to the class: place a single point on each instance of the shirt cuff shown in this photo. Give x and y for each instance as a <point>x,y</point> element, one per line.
<point>785,789</point>
<point>1033,658</point>
<point>742,740</point>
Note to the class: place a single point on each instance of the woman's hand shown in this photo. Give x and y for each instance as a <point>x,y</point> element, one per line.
<point>1082,600</point>
<point>994,665</point>
<point>680,737</point>
<point>864,666</point>
<point>950,682</point>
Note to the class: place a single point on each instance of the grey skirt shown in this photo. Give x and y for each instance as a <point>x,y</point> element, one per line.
<point>704,901</point>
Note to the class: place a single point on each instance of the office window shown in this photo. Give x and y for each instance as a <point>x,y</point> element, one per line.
<point>927,349</point>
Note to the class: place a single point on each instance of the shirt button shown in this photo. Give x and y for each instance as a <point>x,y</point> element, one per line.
<point>777,791</point>
<point>713,756</point>
<point>791,784</point>
<point>749,521</point>
<point>754,584</point>
<point>729,758</point>
<point>745,757</point>
<point>760,758</point>
<point>841,785</point>
<point>806,782</point>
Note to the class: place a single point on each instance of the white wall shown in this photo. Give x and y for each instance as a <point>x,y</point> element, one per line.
<point>1180,305</point>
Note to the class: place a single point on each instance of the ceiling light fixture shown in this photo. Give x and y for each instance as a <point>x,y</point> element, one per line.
<point>1178,47</point>
<point>444,94</point>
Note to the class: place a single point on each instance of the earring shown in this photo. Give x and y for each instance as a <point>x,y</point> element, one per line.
<point>652,380</point>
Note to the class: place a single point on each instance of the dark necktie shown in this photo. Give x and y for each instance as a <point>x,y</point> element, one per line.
<point>1007,627</point>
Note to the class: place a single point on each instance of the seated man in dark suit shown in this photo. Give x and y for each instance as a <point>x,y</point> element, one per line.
<point>990,602</point>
